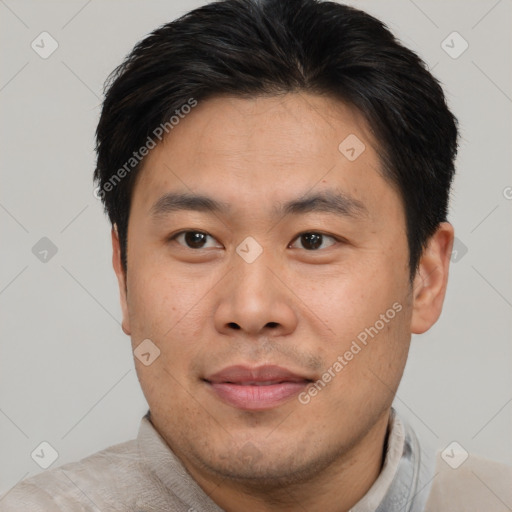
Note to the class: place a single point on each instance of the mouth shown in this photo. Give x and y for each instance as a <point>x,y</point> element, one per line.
<point>260,388</point>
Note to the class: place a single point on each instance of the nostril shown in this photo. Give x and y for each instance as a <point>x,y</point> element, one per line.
<point>234,325</point>
<point>272,324</point>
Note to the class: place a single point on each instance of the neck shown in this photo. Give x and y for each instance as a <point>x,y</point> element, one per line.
<point>337,488</point>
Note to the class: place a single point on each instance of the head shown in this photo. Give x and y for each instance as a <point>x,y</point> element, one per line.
<point>277,175</point>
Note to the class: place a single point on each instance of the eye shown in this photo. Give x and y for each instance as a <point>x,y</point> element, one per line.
<point>192,239</point>
<point>312,241</point>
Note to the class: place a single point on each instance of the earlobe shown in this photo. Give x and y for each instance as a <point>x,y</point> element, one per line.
<point>121,279</point>
<point>431,279</point>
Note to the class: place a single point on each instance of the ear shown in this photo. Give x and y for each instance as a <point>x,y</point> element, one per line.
<point>121,279</point>
<point>431,279</point>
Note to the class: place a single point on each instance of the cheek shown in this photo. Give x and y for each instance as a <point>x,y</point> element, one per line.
<point>160,296</point>
<point>367,314</point>
<point>355,299</point>
<point>169,308</point>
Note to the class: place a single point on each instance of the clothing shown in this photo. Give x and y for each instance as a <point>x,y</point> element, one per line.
<point>144,475</point>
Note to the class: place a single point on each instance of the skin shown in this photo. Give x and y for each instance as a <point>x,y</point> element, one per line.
<point>294,306</point>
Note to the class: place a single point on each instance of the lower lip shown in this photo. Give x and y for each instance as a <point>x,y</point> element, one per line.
<point>256,398</point>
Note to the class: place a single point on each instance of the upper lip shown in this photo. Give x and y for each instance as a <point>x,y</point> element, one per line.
<point>243,375</point>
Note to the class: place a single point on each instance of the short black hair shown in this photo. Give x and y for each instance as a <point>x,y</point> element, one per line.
<point>250,48</point>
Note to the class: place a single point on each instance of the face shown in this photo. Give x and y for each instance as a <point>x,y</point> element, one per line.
<point>280,302</point>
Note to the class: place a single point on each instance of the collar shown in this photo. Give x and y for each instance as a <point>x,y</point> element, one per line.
<point>406,477</point>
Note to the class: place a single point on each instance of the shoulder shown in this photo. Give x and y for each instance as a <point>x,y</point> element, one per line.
<point>477,484</point>
<point>99,480</point>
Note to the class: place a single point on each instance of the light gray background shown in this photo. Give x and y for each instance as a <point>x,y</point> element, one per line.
<point>66,369</point>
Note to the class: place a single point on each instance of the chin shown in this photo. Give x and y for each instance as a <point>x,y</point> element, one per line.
<point>267,468</point>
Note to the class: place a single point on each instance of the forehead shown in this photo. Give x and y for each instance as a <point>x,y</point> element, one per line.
<point>264,148</point>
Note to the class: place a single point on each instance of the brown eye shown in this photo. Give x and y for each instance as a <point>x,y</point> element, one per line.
<point>192,239</point>
<point>312,241</point>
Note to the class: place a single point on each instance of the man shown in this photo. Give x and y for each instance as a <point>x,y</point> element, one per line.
<point>277,176</point>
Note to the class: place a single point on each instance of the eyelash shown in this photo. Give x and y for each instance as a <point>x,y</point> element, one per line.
<point>336,239</point>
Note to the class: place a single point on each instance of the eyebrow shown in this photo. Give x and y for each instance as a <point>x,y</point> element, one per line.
<point>338,203</point>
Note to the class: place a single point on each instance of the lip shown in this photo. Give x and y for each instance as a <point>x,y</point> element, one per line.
<point>260,388</point>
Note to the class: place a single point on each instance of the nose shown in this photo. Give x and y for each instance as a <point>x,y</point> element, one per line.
<point>256,299</point>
